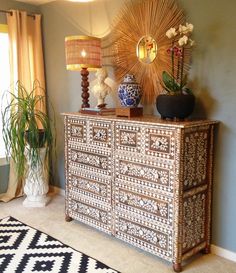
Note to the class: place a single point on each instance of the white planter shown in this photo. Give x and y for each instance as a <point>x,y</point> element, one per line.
<point>36,184</point>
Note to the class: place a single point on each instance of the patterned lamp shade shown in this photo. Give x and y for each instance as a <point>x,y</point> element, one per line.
<point>82,52</point>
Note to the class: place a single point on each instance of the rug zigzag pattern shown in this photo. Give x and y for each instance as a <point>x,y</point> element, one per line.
<point>24,249</point>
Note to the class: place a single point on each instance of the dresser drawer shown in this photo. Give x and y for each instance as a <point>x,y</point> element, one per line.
<point>89,213</point>
<point>136,200</point>
<point>76,130</point>
<point>89,159</point>
<point>160,142</point>
<point>128,137</point>
<point>99,134</point>
<point>153,175</point>
<point>145,235</point>
<point>91,188</point>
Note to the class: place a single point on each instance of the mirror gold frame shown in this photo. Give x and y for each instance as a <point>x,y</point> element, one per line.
<point>136,20</point>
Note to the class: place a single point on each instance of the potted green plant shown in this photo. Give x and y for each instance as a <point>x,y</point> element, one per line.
<point>26,127</point>
<point>177,100</point>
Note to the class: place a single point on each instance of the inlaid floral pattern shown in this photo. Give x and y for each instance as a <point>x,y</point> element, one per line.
<point>159,143</point>
<point>77,131</point>
<point>100,134</point>
<point>149,205</point>
<point>144,233</point>
<point>74,155</point>
<point>144,172</point>
<point>194,220</point>
<point>92,212</point>
<point>163,209</point>
<point>90,186</point>
<point>127,138</point>
<point>89,159</point>
<point>196,147</point>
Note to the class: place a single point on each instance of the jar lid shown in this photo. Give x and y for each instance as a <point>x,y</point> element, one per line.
<point>129,78</point>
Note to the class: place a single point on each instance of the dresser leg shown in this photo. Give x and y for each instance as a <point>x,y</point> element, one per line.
<point>68,218</point>
<point>206,250</point>
<point>177,267</point>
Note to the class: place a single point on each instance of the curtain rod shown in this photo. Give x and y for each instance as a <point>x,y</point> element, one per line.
<point>10,12</point>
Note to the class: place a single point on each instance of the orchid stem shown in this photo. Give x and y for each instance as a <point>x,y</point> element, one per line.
<point>173,62</point>
<point>182,71</point>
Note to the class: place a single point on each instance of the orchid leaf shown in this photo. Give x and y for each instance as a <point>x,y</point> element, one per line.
<point>188,91</point>
<point>185,78</point>
<point>170,83</point>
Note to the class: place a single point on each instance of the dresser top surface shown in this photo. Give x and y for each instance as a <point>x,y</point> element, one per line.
<point>144,119</point>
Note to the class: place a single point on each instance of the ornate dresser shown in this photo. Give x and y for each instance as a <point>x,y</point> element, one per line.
<point>143,180</point>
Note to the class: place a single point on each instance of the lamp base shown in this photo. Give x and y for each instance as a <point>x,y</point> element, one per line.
<point>85,90</point>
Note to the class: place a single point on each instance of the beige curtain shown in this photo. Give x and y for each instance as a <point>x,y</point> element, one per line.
<point>27,65</point>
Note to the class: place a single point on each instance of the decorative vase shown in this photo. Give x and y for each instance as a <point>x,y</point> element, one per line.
<point>129,91</point>
<point>175,106</point>
<point>36,185</point>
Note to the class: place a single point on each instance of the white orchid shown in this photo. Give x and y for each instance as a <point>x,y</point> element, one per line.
<point>188,28</point>
<point>175,80</point>
<point>171,33</point>
<point>191,42</point>
<point>183,40</point>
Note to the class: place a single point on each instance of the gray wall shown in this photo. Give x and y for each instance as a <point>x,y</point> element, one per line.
<point>212,78</point>
<point>4,174</point>
<point>10,4</point>
<point>6,5</point>
<point>214,81</point>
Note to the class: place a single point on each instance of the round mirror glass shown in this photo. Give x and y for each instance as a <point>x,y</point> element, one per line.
<point>146,49</point>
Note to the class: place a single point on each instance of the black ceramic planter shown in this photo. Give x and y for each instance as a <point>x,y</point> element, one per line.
<point>175,106</point>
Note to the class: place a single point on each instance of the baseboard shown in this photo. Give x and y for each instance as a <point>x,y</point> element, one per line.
<point>227,254</point>
<point>57,190</point>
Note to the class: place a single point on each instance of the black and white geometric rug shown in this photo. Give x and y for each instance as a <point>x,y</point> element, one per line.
<point>24,249</point>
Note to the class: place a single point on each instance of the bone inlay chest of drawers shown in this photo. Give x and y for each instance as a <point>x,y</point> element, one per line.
<point>144,180</point>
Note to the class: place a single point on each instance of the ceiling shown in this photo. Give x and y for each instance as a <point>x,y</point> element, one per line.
<point>40,2</point>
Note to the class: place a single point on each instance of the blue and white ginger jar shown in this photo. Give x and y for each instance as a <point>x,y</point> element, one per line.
<point>129,91</point>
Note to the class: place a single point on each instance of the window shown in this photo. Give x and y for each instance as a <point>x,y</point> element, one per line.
<point>4,77</point>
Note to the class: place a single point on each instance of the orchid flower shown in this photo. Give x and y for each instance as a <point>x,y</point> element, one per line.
<point>171,33</point>
<point>183,40</point>
<point>188,28</point>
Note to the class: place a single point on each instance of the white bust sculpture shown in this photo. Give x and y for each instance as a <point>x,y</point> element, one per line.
<point>101,89</point>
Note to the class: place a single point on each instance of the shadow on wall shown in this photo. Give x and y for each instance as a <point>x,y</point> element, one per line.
<point>205,104</point>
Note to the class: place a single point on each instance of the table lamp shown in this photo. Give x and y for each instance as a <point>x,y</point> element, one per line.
<point>83,53</point>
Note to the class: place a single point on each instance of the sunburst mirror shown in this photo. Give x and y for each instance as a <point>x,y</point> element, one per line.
<point>140,42</point>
